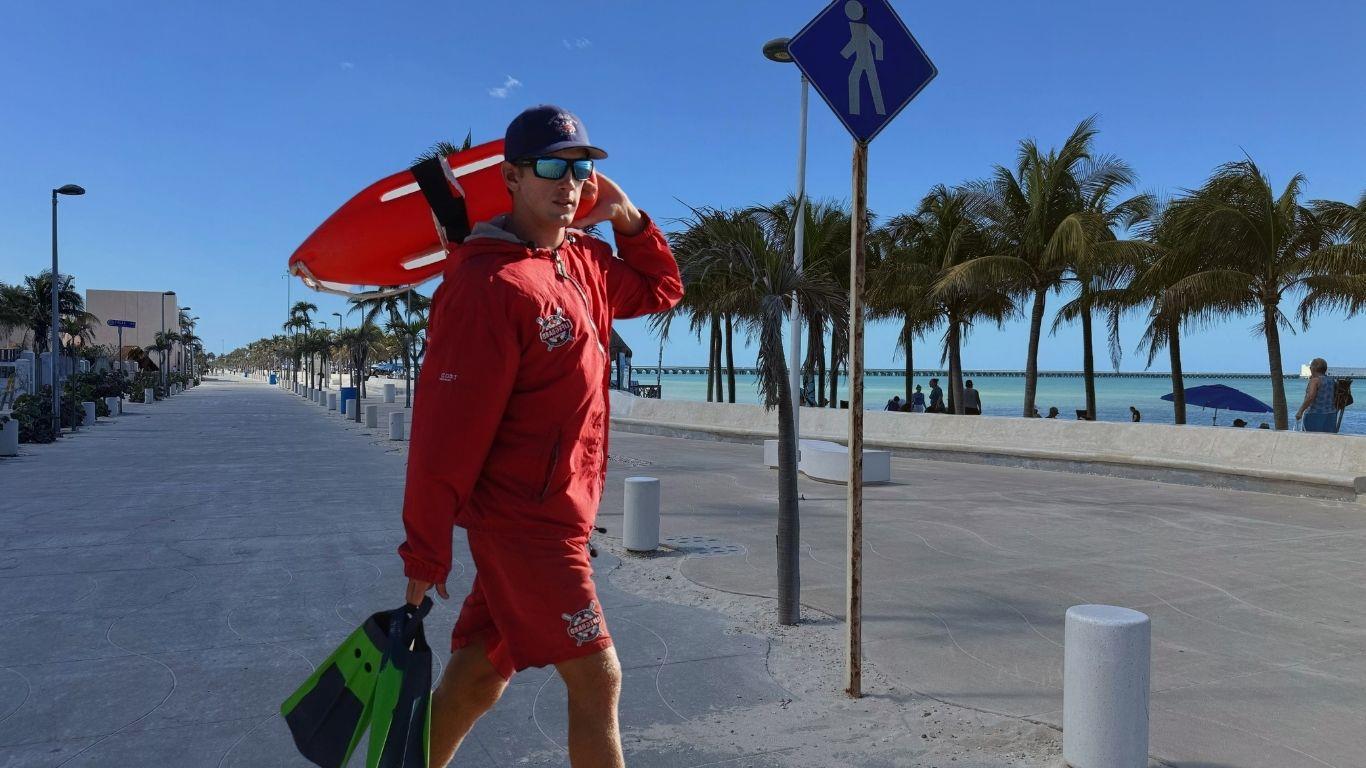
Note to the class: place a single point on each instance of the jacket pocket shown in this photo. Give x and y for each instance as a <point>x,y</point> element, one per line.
<point>552,464</point>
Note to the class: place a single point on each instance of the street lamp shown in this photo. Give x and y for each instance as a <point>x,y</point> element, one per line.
<point>56,344</point>
<point>776,50</point>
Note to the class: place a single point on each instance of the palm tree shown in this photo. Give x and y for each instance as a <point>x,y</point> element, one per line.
<point>1026,208</point>
<point>1338,279</point>
<point>1096,256</point>
<point>825,252</point>
<point>360,344</point>
<point>760,282</point>
<point>29,306</point>
<point>444,148</point>
<point>1250,247</point>
<point>946,233</point>
<point>900,277</point>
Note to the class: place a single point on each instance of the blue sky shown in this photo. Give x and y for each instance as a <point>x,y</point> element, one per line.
<point>213,137</point>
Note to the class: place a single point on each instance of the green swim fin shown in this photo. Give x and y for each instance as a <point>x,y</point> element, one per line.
<point>330,712</point>
<point>400,721</point>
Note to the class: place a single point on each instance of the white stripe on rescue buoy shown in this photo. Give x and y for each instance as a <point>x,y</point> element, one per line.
<point>464,170</point>
<point>424,260</point>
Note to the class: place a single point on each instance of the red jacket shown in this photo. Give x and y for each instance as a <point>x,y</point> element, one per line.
<point>510,423</point>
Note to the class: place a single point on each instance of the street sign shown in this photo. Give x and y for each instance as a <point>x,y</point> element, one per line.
<point>122,324</point>
<point>863,62</point>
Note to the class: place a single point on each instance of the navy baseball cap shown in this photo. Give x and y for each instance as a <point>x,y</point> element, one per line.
<point>544,129</point>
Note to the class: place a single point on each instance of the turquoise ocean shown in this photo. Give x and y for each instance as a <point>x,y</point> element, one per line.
<point>1004,396</point>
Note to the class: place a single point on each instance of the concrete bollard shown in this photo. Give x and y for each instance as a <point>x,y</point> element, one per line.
<point>1107,652</point>
<point>641,527</point>
<point>371,416</point>
<point>396,425</point>
<point>347,406</point>
<point>112,403</point>
<point>331,401</point>
<point>9,438</point>
<point>149,395</point>
<point>89,418</point>
<point>389,393</point>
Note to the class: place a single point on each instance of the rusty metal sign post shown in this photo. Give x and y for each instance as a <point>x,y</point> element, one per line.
<point>861,58</point>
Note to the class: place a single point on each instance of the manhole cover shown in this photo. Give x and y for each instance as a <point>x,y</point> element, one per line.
<point>704,546</point>
<point>629,461</point>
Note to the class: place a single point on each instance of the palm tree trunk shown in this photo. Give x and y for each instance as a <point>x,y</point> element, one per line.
<point>789,523</point>
<point>1088,365</point>
<point>907,339</point>
<point>408,355</point>
<point>956,365</point>
<point>1178,378</point>
<point>834,370</point>
<point>816,353</point>
<point>714,362</point>
<point>1273,354</point>
<point>1032,361</point>
<point>730,359</point>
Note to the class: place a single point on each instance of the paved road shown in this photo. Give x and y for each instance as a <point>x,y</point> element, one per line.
<point>1257,600</point>
<point>168,578</point>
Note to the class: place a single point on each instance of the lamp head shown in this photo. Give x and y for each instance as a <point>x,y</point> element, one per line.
<point>70,189</point>
<point>776,50</point>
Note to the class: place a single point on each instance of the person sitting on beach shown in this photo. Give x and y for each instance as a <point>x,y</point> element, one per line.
<point>1134,415</point>
<point>918,401</point>
<point>894,404</point>
<point>1239,423</point>
<point>972,400</point>
<point>936,398</point>
<point>1318,399</point>
<point>1052,413</point>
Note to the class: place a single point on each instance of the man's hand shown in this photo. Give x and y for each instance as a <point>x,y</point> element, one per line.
<point>613,205</point>
<point>416,590</point>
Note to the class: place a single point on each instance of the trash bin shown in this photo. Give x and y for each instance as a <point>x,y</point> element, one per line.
<point>274,379</point>
<point>346,393</point>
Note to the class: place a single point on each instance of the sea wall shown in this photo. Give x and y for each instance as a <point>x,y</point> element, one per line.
<point>1298,463</point>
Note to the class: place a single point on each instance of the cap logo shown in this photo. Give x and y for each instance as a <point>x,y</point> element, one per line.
<point>563,125</point>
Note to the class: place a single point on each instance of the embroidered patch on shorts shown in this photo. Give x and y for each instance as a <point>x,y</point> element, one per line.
<point>556,329</point>
<point>586,625</point>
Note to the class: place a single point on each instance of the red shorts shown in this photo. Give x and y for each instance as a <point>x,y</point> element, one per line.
<point>533,603</point>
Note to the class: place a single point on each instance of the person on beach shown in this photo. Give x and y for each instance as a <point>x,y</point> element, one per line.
<point>1052,413</point>
<point>894,404</point>
<point>1318,410</point>
<point>918,400</point>
<point>972,400</point>
<point>509,435</point>
<point>936,398</point>
<point>1134,415</point>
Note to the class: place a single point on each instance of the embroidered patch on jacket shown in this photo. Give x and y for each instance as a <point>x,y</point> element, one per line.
<point>556,329</point>
<point>586,625</point>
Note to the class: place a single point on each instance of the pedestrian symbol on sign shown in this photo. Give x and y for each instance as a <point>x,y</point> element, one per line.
<point>866,48</point>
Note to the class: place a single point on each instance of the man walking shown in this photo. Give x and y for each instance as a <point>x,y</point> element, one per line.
<point>510,432</point>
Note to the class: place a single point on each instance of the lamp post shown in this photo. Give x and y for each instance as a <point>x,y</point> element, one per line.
<point>164,356</point>
<point>776,50</point>
<point>56,343</point>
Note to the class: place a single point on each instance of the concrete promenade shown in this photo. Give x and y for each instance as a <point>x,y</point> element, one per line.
<point>168,577</point>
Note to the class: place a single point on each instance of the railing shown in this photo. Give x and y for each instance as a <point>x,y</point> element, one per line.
<point>9,355</point>
<point>644,371</point>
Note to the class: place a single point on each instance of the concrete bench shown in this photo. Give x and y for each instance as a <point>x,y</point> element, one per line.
<point>829,462</point>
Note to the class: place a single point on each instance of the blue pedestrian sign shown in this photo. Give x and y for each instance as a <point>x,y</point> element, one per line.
<point>863,61</point>
<point>122,324</point>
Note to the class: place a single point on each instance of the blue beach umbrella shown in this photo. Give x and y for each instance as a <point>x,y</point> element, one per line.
<point>1222,397</point>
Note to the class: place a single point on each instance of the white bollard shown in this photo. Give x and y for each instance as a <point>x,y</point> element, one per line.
<point>348,407</point>
<point>89,414</point>
<point>1107,652</point>
<point>112,403</point>
<point>149,395</point>
<point>389,393</point>
<point>331,401</point>
<point>371,416</point>
<point>396,425</point>
<point>641,527</point>
<point>9,438</point>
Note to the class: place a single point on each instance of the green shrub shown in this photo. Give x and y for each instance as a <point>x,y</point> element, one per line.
<point>34,415</point>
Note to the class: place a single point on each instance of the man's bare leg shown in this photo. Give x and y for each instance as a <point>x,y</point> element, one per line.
<point>469,687</point>
<point>594,684</point>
